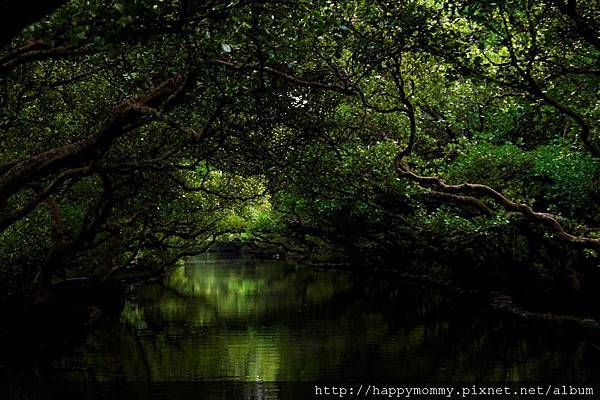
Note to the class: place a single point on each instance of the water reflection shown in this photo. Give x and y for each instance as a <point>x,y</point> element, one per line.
<point>246,320</point>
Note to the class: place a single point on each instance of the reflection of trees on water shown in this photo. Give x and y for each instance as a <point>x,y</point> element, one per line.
<point>275,321</point>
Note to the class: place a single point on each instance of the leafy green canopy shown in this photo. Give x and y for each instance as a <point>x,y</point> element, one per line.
<point>137,132</point>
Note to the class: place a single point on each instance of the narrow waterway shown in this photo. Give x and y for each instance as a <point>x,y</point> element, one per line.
<point>218,319</point>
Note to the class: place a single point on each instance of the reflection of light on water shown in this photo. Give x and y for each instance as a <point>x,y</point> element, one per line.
<point>241,289</point>
<point>205,296</point>
<point>133,315</point>
<point>262,321</point>
<point>253,356</point>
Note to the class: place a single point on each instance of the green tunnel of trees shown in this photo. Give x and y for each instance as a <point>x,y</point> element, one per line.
<point>447,136</point>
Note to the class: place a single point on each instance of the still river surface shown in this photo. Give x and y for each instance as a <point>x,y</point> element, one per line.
<point>217,319</point>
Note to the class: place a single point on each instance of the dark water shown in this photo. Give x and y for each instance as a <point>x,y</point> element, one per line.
<point>263,321</point>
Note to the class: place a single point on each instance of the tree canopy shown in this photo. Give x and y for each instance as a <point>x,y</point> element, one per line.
<point>137,132</point>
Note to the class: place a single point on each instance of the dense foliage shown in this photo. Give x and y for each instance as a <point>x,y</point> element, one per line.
<point>422,133</point>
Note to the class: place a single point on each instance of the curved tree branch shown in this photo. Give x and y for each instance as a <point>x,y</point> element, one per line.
<point>75,154</point>
<point>549,221</point>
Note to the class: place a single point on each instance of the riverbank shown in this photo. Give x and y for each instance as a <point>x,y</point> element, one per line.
<point>498,302</point>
